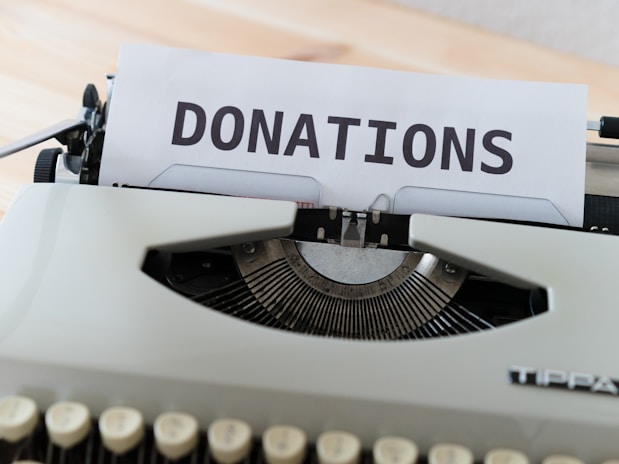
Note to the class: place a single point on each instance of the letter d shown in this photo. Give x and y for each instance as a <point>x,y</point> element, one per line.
<point>179,123</point>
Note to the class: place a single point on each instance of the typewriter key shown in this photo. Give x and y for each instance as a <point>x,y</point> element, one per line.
<point>121,429</point>
<point>229,440</point>
<point>284,444</point>
<point>18,418</point>
<point>176,434</point>
<point>395,450</point>
<point>67,423</point>
<point>505,456</point>
<point>337,447</point>
<point>445,453</point>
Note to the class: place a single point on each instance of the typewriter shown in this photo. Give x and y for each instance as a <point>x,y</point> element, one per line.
<point>141,325</point>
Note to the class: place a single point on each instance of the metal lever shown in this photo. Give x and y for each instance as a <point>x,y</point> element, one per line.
<point>55,131</point>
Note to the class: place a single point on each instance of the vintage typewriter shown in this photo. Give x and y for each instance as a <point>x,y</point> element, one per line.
<point>143,325</point>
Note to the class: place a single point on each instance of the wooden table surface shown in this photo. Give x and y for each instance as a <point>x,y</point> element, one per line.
<point>50,49</point>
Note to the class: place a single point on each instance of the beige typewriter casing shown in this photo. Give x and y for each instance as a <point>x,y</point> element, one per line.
<point>79,320</point>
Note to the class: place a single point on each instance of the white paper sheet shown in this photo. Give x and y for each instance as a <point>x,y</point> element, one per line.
<point>352,137</point>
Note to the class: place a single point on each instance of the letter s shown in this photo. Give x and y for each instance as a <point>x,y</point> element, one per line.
<point>506,157</point>
<point>179,123</point>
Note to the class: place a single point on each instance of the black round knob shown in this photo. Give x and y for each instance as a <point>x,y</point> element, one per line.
<point>45,167</point>
<point>90,98</point>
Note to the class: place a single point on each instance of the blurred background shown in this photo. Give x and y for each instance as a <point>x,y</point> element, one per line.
<point>587,28</point>
<point>50,49</point>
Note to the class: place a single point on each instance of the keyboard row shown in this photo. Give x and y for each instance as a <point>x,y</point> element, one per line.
<point>69,434</point>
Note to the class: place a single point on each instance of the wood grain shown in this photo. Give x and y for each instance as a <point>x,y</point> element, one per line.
<point>50,49</point>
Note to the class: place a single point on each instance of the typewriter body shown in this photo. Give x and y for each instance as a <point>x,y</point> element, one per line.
<point>486,334</point>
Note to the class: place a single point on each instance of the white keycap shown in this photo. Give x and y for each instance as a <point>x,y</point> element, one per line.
<point>337,447</point>
<point>18,418</point>
<point>395,450</point>
<point>176,434</point>
<point>505,456</point>
<point>67,423</point>
<point>284,444</point>
<point>446,453</point>
<point>561,459</point>
<point>121,429</point>
<point>229,440</point>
